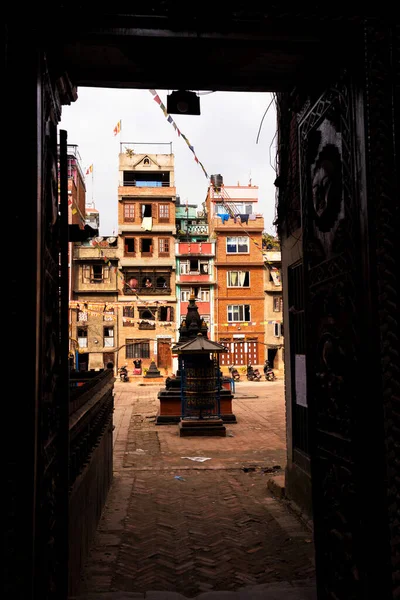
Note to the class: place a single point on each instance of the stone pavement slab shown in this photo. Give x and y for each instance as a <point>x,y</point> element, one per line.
<point>174,528</point>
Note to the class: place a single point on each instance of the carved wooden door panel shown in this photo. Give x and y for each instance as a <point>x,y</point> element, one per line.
<point>163,354</point>
<point>331,244</point>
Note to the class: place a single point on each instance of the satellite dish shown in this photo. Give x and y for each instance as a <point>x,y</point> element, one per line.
<point>98,239</point>
<point>111,240</point>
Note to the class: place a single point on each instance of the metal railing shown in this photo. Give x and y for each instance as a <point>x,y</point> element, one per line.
<point>149,183</point>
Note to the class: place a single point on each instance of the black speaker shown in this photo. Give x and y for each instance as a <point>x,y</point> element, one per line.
<point>183,102</point>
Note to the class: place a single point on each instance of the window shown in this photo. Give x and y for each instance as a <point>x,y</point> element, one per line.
<point>108,314</point>
<point>238,312</point>
<point>185,295</point>
<point>161,283</point>
<point>135,349</point>
<point>146,313</point>
<point>203,295</point>
<point>204,268</point>
<point>82,335</point>
<point>95,273</point>
<point>184,267</point>
<point>278,303</point>
<point>238,278</point>
<point>194,265</point>
<point>163,246</point>
<point>129,212</point>
<point>146,210</point>
<point>145,279</point>
<point>166,313</point>
<point>240,208</point>
<point>127,314</point>
<point>146,246</point>
<point>108,337</point>
<point>221,209</point>
<point>235,245</point>
<point>163,212</point>
<point>129,245</point>
<point>275,276</point>
<point>277,329</point>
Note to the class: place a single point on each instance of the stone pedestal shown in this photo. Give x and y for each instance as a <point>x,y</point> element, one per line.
<point>153,372</point>
<point>170,410</point>
<point>203,427</point>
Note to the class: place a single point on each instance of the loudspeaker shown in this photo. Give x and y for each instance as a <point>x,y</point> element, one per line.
<point>183,102</point>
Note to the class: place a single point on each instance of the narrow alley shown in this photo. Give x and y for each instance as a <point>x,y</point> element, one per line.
<point>176,528</point>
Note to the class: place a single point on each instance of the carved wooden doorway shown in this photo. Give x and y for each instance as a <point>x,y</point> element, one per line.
<point>164,359</point>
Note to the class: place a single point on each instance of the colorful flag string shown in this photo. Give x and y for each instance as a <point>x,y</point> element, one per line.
<point>117,128</point>
<point>170,120</point>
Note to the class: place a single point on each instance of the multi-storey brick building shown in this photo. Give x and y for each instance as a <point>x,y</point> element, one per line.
<point>237,228</point>
<point>146,228</point>
<point>93,308</point>
<point>273,308</point>
<point>194,262</point>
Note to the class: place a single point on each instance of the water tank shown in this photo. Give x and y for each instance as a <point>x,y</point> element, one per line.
<point>217,180</point>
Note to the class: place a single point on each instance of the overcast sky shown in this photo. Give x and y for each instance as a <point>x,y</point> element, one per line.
<point>224,138</point>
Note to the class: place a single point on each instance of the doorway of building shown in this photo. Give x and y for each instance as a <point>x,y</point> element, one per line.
<point>271,357</point>
<point>83,362</point>
<point>164,360</point>
<point>108,357</point>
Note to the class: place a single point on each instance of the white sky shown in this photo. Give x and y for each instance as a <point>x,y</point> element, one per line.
<point>223,137</point>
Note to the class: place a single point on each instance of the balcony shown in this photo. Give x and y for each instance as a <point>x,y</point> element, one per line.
<point>201,249</point>
<point>146,325</point>
<point>195,277</point>
<point>236,224</point>
<point>164,190</point>
<point>270,286</point>
<point>91,252</point>
<point>145,291</point>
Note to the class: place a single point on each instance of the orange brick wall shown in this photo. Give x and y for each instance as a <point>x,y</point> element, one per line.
<point>253,295</point>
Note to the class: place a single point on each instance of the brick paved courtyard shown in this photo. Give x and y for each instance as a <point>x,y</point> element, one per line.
<point>176,525</point>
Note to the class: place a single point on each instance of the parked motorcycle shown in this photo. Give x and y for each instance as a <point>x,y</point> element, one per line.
<point>123,374</point>
<point>253,374</point>
<point>270,376</point>
<point>234,373</point>
<point>268,372</point>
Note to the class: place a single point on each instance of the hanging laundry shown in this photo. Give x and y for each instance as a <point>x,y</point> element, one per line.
<point>147,223</point>
<point>252,217</point>
<point>224,217</point>
<point>244,218</point>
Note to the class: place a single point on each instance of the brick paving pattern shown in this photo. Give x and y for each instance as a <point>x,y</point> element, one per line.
<point>216,526</point>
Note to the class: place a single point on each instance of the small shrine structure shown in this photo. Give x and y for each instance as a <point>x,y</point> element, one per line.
<point>196,396</point>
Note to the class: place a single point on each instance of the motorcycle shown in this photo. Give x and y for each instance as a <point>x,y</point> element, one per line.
<point>123,374</point>
<point>253,375</point>
<point>269,374</point>
<point>234,373</point>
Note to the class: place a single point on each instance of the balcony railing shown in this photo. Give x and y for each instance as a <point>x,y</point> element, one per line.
<point>153,184</point>
<point>157,291</point>
<point>146,325</point>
